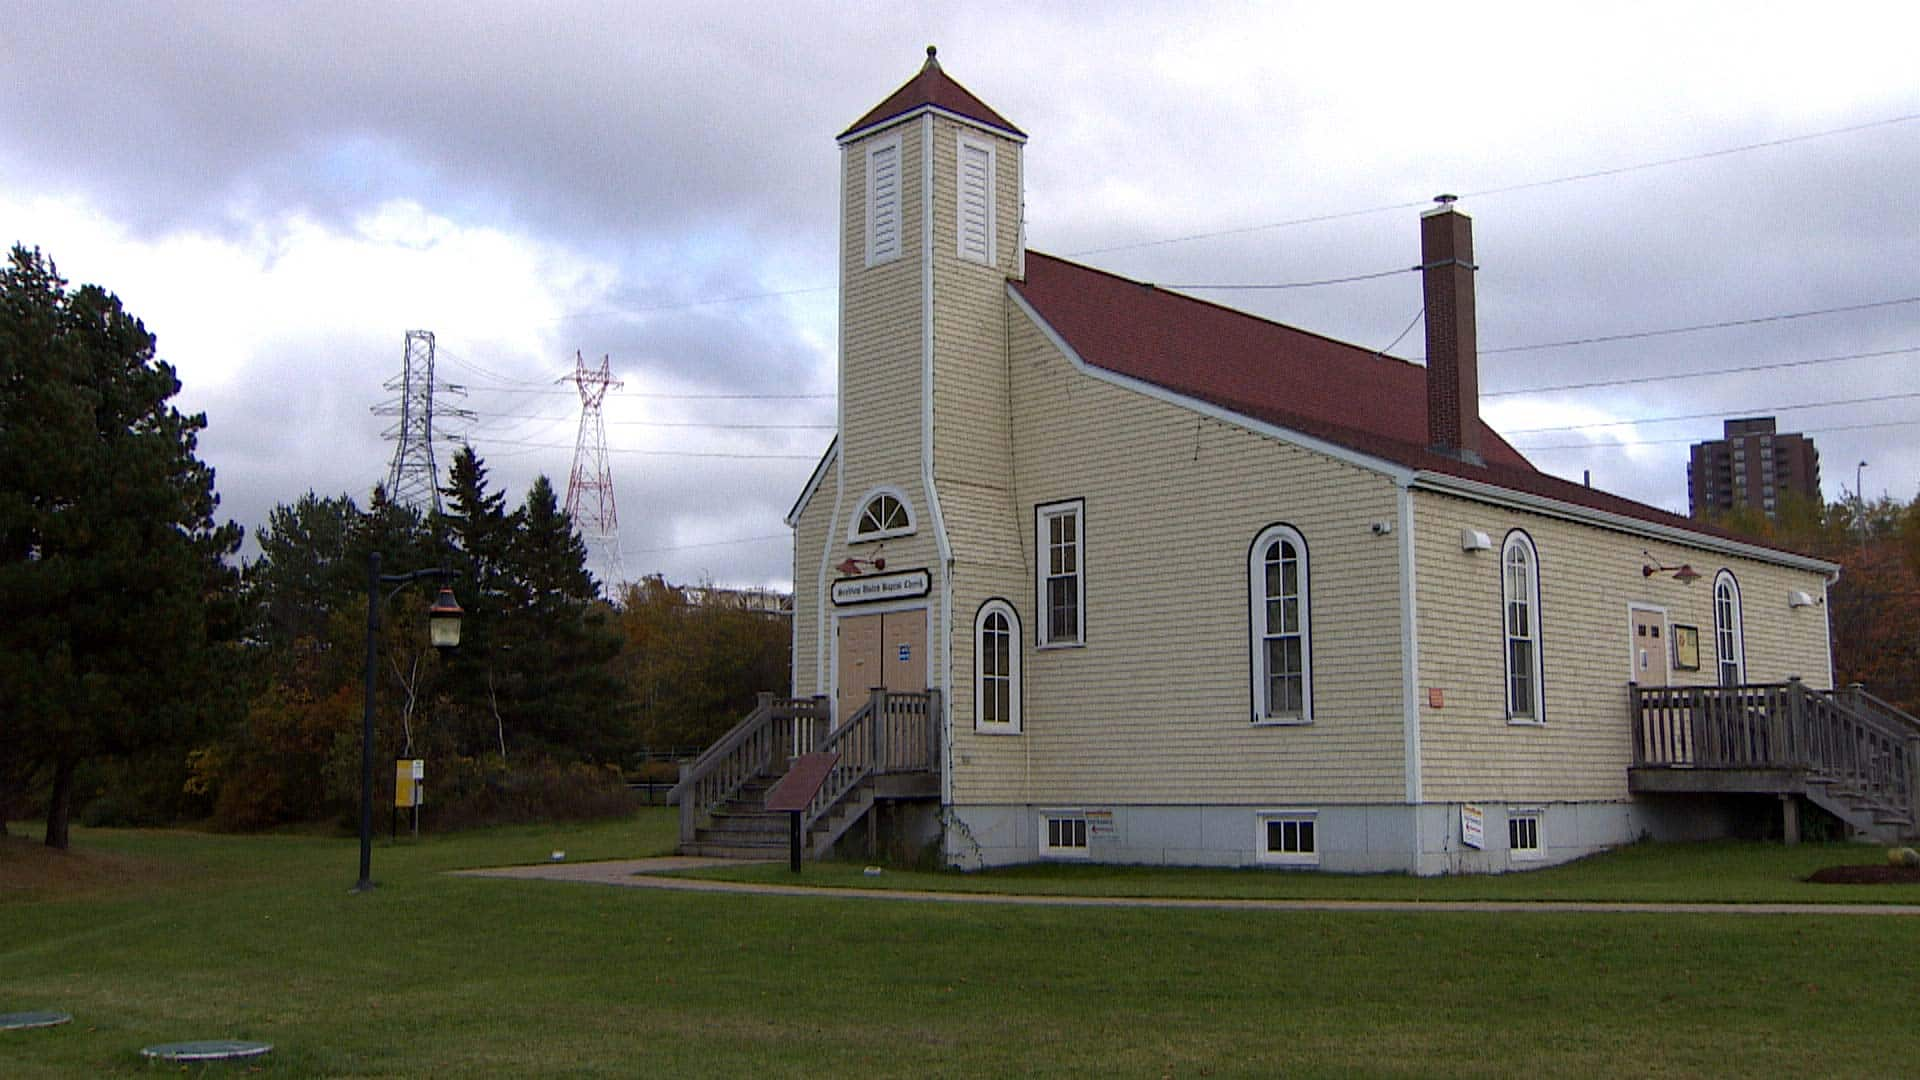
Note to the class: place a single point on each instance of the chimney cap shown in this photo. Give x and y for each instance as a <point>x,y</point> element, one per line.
<point>1444,199</point>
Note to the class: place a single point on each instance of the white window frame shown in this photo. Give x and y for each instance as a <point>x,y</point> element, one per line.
<point>1537,827</point>
<point>1259,630</point>
<point>1011,724</point>
<point>1519,540</point>
<point>1265,854</point>
<point>880,250</point>
<point>1043,516</point>
<point>1729,636</point>
<point>963,145</point>
<point>855,536</point>
<point>1072,819</point>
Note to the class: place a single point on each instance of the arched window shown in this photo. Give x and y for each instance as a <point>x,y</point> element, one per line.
<point>882,514</point>
<point>1520,619</point>
<point>996,667</point>
<point>1282,651</point>
<point>1729,642</point>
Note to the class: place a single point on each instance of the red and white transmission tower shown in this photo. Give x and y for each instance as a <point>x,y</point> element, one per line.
<point>590,488</point>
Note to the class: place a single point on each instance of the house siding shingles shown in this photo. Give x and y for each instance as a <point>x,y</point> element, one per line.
<point>811,534</point>
<point>1588,577</point>
<point>1155,709</point>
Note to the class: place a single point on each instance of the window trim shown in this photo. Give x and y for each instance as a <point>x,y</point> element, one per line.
<point>1257,626</point>
<point>877,256</point>
<point>1737,631</point>
<point>1016,689</point>
<point>1518,538</point>
<point>1084,850</point>
<point>1536,815</point>
<point>962,143</point>
<point>1264,854</point>
<point>855,536</point>
<point>1042,514</point>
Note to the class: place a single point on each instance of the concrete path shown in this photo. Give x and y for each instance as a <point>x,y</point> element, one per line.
<point>649,874</point>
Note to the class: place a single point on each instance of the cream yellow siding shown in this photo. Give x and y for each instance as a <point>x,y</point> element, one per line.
<point>1156,708</point>
<point>811,535</point>
<point>1589,576</point>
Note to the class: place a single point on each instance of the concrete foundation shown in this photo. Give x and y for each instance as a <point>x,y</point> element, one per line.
<point>1394,838</point>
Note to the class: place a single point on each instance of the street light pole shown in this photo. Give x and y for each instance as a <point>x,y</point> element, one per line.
<point>444,620</point>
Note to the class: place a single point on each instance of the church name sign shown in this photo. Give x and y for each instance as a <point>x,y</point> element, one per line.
<point>868,590</point>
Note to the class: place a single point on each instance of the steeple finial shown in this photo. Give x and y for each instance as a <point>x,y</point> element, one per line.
<point>932,64</point>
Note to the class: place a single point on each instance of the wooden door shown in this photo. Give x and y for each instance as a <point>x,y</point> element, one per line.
<point>888,650</point>
<point>1651,650</point>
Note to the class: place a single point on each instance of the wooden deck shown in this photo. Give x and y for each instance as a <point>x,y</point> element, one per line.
<point>1847,750</point>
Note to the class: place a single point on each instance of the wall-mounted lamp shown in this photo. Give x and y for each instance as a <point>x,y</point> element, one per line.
<point>1475,540</point>
<point>1799,599</point>
<point>851,567</point>
<point>1684,573</point>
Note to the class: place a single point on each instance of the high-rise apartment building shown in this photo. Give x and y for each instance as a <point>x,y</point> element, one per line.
<point>1752,465</point>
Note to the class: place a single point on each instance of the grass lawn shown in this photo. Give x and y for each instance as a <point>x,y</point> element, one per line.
<point>154,936</point>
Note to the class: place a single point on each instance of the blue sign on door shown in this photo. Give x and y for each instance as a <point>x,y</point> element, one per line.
<point>906,652</point>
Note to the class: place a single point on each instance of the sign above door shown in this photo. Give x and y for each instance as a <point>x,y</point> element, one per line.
<point>877,587</point>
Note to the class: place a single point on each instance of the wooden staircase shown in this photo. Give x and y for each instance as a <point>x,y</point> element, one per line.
<point>889,749</point>
<point>1848,752</point>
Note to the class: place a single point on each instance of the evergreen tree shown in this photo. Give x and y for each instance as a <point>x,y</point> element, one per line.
<point>306,569</point>
<point>112,571</point>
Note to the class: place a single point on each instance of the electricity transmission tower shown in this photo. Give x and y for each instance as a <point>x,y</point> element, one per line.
<point>413,479</point>
<point>590,488</point>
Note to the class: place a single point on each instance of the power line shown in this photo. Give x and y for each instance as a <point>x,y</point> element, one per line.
<point>1717,413</point>
<point>1737,369</point>
<point>1300,284</point>
<point>660,453</point>
<point>1637,335</point>
<point>1506,188</point>
<point>1693,439</point>
<point>713,544</point>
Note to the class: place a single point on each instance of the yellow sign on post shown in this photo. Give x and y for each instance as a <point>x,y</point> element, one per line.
<point>409,783</point>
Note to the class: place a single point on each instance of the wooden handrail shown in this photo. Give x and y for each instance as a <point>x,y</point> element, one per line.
<point>1849,738</point>
<point>753,747</point>
<point>892,733</point>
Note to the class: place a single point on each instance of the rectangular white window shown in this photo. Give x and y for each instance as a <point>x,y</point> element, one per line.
<point>1289,838</point>
<point>975,192</point>
<point>1058,547</point>
<point>1523,834</point>
<point>883,201</point>
<point>1063,835</point>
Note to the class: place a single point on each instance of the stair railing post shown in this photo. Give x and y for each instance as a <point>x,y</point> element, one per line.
<point>1913,784</point>
<point>686,805</point>
<point>875,723</point>
<point>1797,716</point>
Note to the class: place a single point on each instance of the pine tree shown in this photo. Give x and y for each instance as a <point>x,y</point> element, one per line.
<point>112,571</point>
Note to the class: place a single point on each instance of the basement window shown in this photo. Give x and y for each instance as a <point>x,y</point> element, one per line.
<point>1289,838</point>
<point>1523,835</point>
<point>1063,834</point>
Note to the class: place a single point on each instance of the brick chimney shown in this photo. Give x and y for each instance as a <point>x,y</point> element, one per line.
<point>1453,355</point>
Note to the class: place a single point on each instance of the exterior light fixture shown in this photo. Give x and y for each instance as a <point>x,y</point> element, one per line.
<point>1685,574</point>
<point>443,629</point>
<point>443,620</point>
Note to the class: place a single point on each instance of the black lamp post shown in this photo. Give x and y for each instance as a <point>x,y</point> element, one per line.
<point>443,629</point>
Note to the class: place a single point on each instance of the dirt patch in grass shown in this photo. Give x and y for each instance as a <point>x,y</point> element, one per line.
<point>29,868</point>
<point>1866,875</point>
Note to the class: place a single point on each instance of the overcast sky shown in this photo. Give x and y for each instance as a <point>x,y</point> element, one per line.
<point>282,191</point>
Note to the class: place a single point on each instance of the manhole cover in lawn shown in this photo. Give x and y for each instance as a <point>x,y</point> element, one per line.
<point>207,1050</point>
<point>20,1021</point>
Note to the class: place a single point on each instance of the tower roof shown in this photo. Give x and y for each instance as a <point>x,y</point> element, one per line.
<point>933,88</point>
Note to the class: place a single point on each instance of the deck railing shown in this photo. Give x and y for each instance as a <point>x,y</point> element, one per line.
<point>892,733</point>
<point>1849,738</point>
<point>759,744</point>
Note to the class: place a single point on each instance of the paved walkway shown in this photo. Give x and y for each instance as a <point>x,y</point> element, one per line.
<point>650,874</point>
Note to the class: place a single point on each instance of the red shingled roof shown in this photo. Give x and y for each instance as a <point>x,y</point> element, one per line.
<point>1342,394</point>
<point>932,87</point>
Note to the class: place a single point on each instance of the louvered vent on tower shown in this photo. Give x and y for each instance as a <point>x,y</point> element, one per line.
<point>976,201</point>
